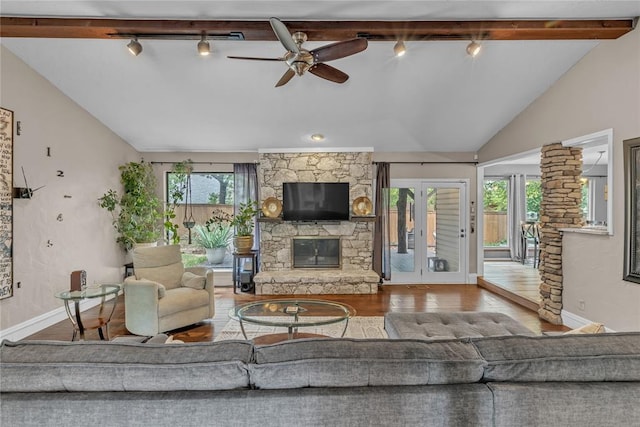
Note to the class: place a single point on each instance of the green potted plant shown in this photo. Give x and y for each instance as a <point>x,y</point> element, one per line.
<point>243,221</point>
<point>136,212</point>
<point>214,240</point>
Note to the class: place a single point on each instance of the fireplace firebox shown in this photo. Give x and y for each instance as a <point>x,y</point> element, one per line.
<point>316,252</point>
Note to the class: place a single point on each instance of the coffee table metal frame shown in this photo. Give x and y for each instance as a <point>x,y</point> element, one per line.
<point>103,319</point>
<point>298,311</point>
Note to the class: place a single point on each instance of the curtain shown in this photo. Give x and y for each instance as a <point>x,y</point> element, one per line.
<point>381,246</point>
<point>246,189</point>
<point>516,214</point>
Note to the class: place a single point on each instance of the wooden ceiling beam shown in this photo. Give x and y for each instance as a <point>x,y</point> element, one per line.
<point>91,28</point>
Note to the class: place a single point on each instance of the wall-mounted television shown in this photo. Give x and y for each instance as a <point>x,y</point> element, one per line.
<point>315,201</point>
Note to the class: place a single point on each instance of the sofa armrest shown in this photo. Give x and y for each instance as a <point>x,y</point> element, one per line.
<point>141,305</point>
<point>208,286</point>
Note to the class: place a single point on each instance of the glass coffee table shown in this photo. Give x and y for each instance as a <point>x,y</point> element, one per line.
<point>291,314</point>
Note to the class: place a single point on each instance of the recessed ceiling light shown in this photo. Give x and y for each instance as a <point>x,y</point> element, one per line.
<point>317,137</point>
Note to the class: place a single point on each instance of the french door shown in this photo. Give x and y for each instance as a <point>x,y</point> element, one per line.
<point>428,231</point>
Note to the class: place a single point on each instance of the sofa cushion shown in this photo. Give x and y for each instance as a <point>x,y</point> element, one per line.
<point>599,357</point>
<point>169,276</point>
<point>566,404</point>
<point>46,366</point>
<point>346,362</point>
<point>182,299</point>
<point>451,325</point>
<point>190,280</point>
<point>162,264</point>
<point>591,328</point>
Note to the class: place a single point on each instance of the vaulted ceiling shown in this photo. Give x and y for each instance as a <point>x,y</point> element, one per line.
<point>434,98</point>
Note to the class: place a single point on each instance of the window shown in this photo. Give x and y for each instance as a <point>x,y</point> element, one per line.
<point>209,191</point>
<point>533,193</point>
<point>495,212</point>
<point>207,188</point>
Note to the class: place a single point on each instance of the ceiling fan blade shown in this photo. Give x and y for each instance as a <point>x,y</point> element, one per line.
<point>288,75</point>
<point>255,59</point>
<point>329,73</point>
<point>339,50</point>
<point>283,34</point>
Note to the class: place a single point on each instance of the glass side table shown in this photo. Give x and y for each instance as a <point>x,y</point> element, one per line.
<point>104,316</point>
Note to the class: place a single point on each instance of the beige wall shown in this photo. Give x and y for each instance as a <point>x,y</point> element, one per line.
<point>601,91</point>
<point>88,153</point>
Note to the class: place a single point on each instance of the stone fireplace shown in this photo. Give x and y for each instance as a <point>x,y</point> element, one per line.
<point>348,272</point>
<point>316,252</point>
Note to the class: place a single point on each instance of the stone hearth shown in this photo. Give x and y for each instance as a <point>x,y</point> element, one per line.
<point>315,281</point>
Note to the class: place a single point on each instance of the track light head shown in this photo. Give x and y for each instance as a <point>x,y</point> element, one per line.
<point>204,48</point>
<point>399,49</point>
<point>134,47</point>
<point>474,48</point>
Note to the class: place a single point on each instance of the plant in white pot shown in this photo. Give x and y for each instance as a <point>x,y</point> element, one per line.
<point>214,239</point>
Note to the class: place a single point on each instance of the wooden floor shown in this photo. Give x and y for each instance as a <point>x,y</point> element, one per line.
<point>513,280</point>
<point>391,298</point>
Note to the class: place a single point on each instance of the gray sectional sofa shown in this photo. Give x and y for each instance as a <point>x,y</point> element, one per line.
<point>572,380</point>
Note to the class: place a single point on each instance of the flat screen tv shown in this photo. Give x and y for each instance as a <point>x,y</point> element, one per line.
<point>315,201</point>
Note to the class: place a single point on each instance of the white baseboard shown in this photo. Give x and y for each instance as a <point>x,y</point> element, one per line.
<point>472,278</point>
<point>31,326</point>
<point>574,321</point>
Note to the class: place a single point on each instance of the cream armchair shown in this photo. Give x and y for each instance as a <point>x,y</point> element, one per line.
<point>163,295</point>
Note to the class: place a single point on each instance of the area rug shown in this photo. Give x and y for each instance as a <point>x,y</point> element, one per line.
<point>359,327</point>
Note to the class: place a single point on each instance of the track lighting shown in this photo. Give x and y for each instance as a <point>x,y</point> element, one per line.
<point>203,46</point>
<point>474,48</point>
<point>400,49</point>
<point>134,47</point>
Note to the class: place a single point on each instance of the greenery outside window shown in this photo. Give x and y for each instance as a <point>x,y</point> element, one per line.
<point>533,191</point>
<point>209,191</point>
<point>495,212</point>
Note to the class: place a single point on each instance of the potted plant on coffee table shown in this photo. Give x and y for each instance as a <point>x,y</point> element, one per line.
<point>214,239</point>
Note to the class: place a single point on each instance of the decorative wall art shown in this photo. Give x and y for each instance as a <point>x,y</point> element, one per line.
<point>6,203</point>
<point>632,210</point>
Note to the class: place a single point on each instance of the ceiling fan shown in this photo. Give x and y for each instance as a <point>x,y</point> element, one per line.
<point>301,60</point>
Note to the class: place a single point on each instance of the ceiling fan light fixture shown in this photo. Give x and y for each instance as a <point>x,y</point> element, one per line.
<point>317,137</point>
<point>473,49</point>
<point>399,49</point>
<point>134,47</point>
<point>204,48</point>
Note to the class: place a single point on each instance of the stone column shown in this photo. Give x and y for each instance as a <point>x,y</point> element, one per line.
<point>561,169</point>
